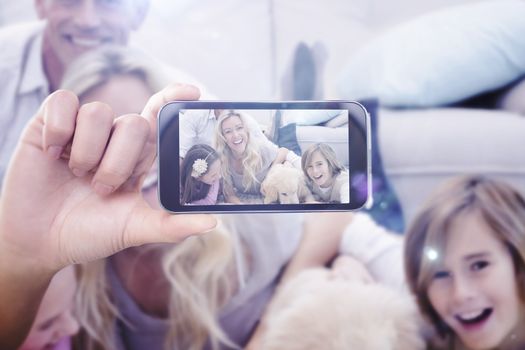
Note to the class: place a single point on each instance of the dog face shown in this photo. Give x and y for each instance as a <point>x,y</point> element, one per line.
<point>288,191</point>
<point>283,184</point>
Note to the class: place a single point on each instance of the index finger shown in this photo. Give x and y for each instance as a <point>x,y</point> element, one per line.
<point>173,92</point>
<point>58,113</point>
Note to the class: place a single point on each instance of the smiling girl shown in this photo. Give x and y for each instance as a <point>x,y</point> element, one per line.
<point>465,262</point>
<point>327,177</point>
<point>200,176</point>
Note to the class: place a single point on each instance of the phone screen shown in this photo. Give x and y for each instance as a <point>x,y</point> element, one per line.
<point>216,156</point>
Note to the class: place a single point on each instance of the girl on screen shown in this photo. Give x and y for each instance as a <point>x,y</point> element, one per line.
<point>465,263</point>
<point>200,176</point>
<point>327,178</point>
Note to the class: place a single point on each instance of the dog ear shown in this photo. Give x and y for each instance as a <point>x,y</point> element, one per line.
<point>271,195</point>
<point>268,191</point>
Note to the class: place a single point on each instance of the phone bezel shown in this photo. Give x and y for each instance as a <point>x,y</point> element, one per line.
<point>169,174</point>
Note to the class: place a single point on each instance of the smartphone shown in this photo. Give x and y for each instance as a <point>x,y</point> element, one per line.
<point>300,156</point>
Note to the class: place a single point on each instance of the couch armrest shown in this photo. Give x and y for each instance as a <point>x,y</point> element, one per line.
<point>421,148</point>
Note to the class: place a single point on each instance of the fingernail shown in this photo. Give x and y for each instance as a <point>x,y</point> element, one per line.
<point>79,172</point>
<point>55,151</point>
<point>103,189</point>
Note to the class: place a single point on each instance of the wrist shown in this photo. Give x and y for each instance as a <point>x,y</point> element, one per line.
<point>20,261</point>
<point>19,265</point>
<point>23,287</point>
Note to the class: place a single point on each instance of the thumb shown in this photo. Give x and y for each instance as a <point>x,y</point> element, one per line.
<point>148,225</point>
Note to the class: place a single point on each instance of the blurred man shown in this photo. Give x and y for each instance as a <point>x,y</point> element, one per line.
<point>34,56</point>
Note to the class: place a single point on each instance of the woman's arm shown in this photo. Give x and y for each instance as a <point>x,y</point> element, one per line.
<point>322,234</point>
<point>285,155</point>
<point>229,194</point>
<point>281,156</point>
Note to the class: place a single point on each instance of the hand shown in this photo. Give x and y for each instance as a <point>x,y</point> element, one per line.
<point>72,191</point>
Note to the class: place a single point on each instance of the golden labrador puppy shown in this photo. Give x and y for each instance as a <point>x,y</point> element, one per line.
<point>285,185</point>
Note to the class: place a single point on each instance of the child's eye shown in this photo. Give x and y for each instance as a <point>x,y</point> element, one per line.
<point>479,265</point>
<point>284,194</point>
<point>441,274</point>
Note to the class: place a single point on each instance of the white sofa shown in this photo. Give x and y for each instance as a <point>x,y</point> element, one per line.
<point>421,148</point>
<point>242,51</point>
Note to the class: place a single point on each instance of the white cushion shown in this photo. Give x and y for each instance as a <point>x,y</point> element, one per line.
<point>309,117</point>
<point>336,138</point>
<point>441,57</point>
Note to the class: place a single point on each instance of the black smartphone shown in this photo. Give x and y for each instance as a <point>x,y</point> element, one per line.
<point>221,156</point>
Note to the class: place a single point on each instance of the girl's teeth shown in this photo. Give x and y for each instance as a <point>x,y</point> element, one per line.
<point>474,316</point>
<point>470,315</point>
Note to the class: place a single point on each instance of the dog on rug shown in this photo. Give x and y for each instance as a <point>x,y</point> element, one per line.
<point>316,310</point>
<point>285,185</point>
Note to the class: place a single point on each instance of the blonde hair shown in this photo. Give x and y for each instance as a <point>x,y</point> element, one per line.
<point>198,269</point>
<point>251,159</point>
<point>501,207</point>
<point>95,310</point>
<point>95,68</point>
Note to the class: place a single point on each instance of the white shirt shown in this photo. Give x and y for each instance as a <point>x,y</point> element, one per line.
<point>196,127</point>
<point>24,84</point>
<point>345,193</point>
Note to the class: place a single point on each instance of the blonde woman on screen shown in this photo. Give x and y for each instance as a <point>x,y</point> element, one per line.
<point>246,160</point>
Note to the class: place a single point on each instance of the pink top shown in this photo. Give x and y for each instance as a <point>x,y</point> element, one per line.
<point>211,197</point>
